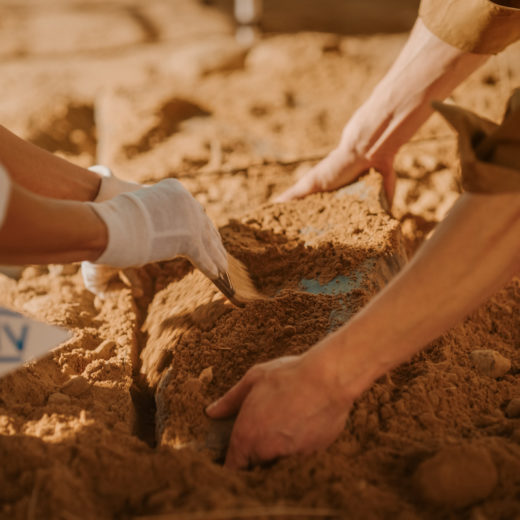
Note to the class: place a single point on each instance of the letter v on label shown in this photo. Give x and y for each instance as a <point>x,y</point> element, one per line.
<point>20,341</point>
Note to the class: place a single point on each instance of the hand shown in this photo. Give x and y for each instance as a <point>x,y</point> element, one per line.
<point>97,278</point>
<point>284,407</point>
<point>426,69</point>
<point>158,223</point>
<point>341,167</point>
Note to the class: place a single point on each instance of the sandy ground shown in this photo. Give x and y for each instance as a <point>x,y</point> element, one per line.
<point>160,88</point>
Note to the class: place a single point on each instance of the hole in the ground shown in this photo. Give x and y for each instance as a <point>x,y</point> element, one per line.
<point>71,130</point>
<point>144,404</point>
<point>168,119</point>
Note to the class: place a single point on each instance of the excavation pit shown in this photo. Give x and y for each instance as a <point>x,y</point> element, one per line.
<point>317,260</point>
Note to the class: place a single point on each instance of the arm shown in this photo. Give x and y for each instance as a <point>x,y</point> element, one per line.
<point>44,173</point>
<point>426,69</point>
<point>300,404</point>
<point>150,224</point>
<point>38,229</point>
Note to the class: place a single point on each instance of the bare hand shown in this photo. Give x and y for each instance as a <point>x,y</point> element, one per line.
<point>284,407</point>
<point>338,169</point>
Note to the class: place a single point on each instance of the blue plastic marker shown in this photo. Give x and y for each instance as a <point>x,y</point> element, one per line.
<point>23,339</point>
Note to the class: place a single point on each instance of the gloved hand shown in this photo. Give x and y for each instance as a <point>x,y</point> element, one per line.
<point>98,277</point>
<point>158,223</point>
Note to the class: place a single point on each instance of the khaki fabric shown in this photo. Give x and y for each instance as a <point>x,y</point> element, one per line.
<point>478,26</point>
<point>489,153</point>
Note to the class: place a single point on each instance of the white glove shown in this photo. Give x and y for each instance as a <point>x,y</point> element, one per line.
<point>97,277</point>
<point>159,223</point>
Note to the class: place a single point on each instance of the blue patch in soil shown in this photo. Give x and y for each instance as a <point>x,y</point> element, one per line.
<point>341,284</point>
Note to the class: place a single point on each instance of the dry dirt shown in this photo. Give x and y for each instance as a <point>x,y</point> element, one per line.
<point>157,89</point>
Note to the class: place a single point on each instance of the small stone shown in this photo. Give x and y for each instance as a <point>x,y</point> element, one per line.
<point>490,363</point>
<point>457,476</point>
<point>105,349</point>
<point>75,386</point>
<point>58,398</point>
<point>206,376</point>
<point>513,408</point>
<point>289,330</point>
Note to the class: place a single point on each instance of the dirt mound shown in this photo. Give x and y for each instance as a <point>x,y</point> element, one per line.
<point>318,262</point>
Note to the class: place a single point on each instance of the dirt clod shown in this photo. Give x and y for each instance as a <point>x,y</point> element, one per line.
<point>513,408</point>
<point>490,363</point>
<point>105,349</point>
<point>206,376</point>
<point>457,476</point>
<point>58,398</point>
<point>75,386</point>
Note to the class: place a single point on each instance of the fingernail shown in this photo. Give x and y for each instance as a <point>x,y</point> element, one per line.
<point>212,406</point>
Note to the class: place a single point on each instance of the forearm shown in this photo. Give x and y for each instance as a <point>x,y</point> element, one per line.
<point>42,230</point>
<point>472,254</point>
<point>44,173</point>
<point>426,69</point>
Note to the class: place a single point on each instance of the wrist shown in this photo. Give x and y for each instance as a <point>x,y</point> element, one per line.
<point>110,186</point>
<point>348,361</point>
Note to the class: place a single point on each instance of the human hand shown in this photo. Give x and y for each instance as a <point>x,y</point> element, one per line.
<point>97,278</point>
<point>158,223</point>
<point>341,167</point>
<point>284,406</point>
<point>426,69</point>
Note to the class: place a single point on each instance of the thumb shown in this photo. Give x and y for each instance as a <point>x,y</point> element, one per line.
<point>304,186</point>
<point>229,404</point>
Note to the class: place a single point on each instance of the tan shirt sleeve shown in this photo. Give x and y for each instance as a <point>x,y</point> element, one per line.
<point>477,26</point>
<point>489,153</point>
<point>5,193</point>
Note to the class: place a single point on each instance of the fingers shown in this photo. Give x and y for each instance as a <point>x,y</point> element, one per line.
<point>216,248</point>
<point>97,277</point>
<point>305,186</point>
<point>237,456</point>
<point>229,404</point>
<point>204,262</point>
<point>210,256</point>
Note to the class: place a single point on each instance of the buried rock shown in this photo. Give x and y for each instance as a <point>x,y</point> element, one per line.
<point>457,476</point>
<point>317,261</point>
<point>513,408</point>
<point>490,363</point>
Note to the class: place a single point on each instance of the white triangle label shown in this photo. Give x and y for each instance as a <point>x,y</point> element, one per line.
<point>23,339</point>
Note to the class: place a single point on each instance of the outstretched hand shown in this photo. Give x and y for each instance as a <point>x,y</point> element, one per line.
<point>339,168</point>
<point>284,407</point>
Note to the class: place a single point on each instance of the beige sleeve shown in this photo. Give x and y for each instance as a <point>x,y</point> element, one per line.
<point>5,193</point>
<point>489,153</point>
<point>477,26</point>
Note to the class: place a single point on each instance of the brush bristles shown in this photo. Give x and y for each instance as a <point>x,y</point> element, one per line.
<point>241,281</point>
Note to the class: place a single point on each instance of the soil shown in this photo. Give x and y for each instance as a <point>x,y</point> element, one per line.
<point>161,89</point>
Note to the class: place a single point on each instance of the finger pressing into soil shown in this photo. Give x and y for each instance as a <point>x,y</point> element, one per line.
<point>230,403</point>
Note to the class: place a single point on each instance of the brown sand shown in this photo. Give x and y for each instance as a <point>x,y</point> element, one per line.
<point>146,98</point>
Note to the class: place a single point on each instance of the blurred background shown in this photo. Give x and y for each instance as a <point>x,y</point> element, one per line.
<point>204,89</point>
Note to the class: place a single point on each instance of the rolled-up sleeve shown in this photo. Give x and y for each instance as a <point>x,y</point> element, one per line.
<point>489,153</point>
<point>5,194</point>
<point>477,26</point>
